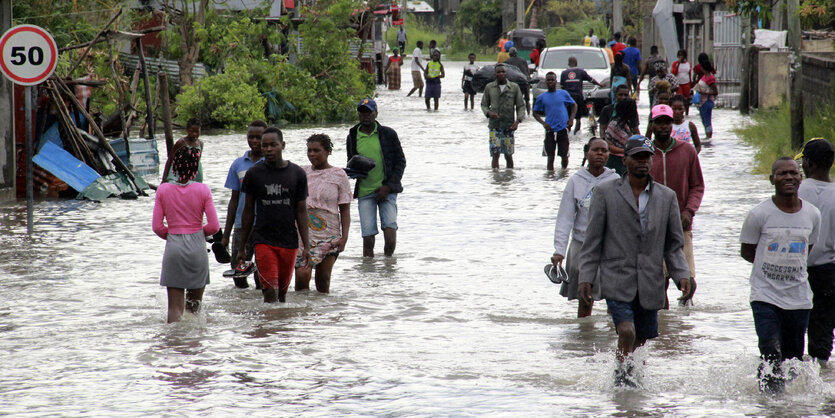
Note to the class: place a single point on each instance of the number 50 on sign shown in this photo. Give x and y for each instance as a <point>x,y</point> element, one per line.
<point>28,54</point>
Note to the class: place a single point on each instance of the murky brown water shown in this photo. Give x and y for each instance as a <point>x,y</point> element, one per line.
<point>461,322</point>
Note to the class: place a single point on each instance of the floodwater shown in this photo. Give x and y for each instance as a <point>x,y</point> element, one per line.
<point>462,321</point>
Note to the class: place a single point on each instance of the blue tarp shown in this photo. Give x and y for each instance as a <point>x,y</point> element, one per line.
<point>63,165</point>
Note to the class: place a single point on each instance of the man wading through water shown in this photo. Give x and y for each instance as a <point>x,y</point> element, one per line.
<point>634,226</point>
<point>504,105</point>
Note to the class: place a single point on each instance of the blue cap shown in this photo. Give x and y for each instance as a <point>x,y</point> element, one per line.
<point>508,45</point>
<point>638,143</point>
<point>369,103</point>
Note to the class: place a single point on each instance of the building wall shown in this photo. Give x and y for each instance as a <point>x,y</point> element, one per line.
<point>7,148</point>
<point>773,78</point>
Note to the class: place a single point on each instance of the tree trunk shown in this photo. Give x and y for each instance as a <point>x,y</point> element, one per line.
<point>189,43</point>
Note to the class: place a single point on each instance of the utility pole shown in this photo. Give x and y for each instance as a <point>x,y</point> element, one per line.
<point>520,14</point>
<point>617,16</point>
<point>795,75</point>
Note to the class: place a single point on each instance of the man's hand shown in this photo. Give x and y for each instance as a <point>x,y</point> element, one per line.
<point>570,123</point>
<point>686,292</point>
<point>340,244</point>
<point>556,259</point>
<point>546,126</point>
<point>584,292</point>
<point>492,115</point>
<point>514,126</point>
<point>308,259</point>
<point>241,256</point>
<point>382,192</point>
<point>686,221</point>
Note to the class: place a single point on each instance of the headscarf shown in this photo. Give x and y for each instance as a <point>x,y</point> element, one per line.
<point>186,164</point>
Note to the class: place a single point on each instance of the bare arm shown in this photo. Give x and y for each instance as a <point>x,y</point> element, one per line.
<point>747,251</point>
<point>345,221</point>
<point>246,227</point>
<point>694,135</point>
<point>302,221</point>
<point>231,208</point>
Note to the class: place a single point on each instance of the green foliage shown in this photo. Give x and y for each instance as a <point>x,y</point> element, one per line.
<point>238,37</point>
<point>571,10</point>
<point>770,133</point>
<point>573,32</point>
<point>337,81</point>
<point>227,100</point>
<point>481,18</point>
<point>812,13</point>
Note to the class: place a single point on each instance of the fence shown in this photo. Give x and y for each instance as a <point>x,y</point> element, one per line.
<point>171,67</point>
<point>818,81</point>
<point>727,57</point>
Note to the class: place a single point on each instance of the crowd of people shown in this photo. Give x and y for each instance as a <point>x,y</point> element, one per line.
<point>624,227</point>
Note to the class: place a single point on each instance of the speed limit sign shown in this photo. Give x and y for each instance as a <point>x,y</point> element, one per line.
<point>28,54</point>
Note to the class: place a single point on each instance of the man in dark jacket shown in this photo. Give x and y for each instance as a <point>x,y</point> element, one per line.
<point>378,191</point>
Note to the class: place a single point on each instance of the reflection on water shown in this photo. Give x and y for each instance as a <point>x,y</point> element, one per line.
<point>461,321</point>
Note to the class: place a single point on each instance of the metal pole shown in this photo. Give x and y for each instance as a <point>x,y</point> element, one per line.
<point>795,75</point>
<point>30,189</point>
<point>617,16</point>
<point>520,14</point>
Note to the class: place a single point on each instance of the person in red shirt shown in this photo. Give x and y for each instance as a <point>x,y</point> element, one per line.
<point>616,44</point>
<point>676,165</point>
<point>540,46</point>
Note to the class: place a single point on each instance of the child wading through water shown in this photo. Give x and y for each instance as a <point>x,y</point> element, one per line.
<point>434,72</point>
<point>191,140</point>
<point>467,82</point>
<point>185,263</point>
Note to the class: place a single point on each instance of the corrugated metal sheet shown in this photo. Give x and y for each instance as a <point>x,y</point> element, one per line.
<point>63,165</point>
<point>727,28</point>
<point>171,67</point>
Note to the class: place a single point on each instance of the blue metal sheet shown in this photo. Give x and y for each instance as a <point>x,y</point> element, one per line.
<point>63,165</point>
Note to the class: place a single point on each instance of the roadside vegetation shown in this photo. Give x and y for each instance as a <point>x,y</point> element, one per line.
<point>770,133</point>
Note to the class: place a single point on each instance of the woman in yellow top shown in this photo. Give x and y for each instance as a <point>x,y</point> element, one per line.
<point>434,72</point>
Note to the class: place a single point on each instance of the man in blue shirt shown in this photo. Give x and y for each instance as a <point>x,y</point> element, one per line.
<point>632,58</point>
<point>233,182</point>
<point>559,110</point>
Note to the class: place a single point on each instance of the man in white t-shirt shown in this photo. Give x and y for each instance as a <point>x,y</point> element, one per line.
<point>816,160</point>
<point>417,70</point>
<point>777,236</point>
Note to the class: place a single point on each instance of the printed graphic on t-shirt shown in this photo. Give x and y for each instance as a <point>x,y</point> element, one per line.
<point>785,256</point>
<point>277,194</point>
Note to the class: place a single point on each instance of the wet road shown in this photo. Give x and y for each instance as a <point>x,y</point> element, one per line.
<point>461,322</point>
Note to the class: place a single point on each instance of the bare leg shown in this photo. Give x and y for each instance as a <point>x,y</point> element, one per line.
<point>368,246</point>
<point>270,295</point>
<point>194,297</point>
<point>427,103</point>
<point>472,101</point>
<point>323,274</point>
<point>626,340</point>
<point>390,238</point>
<point>436,103</point>
<point>564,162</point>
<point>176,304</point>
<point>303,278</point>
<point>495,163</point>
<point>509,160</point>
<point>466,97</point>
<point>584,309</point>
<point>550,163</point>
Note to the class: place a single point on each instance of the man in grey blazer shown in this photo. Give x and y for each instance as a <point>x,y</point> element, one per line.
<point>634,226</point>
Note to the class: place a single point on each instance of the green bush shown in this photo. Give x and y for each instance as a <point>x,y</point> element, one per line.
<point>225,100</point>
<point>572,33</point>
<point>770,133</point>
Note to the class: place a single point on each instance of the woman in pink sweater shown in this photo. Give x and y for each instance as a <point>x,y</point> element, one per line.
<point>185,263</point>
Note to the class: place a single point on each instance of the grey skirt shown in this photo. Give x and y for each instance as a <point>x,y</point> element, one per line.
<point>572,267</point>
<point>185,263</point>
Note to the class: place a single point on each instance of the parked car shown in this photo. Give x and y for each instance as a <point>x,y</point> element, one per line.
<point>524,40</point>
<point>594,60</point>
<point>487,74</point>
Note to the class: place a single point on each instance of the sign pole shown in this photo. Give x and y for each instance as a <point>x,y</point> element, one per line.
<point>30,192</point>
<point>28,57</point>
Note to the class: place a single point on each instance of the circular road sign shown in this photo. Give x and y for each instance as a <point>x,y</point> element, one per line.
<point>28,54</point>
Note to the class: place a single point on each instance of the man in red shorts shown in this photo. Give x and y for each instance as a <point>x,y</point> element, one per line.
<point>276,193</point>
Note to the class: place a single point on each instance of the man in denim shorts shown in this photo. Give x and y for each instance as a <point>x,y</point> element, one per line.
<point>634,226</point>
<point>378,191</point>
